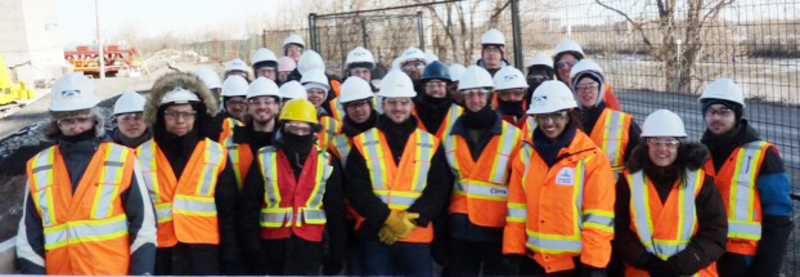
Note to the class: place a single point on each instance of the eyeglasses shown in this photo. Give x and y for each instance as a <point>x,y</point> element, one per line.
<point>398,102</point>
<point>75,120</point>
<point>257,102</point>
<point>413,65</point>
<point>492,50</point>
<point>569,63</point>
<point>236,102</point>
<point>671,142</point>
<point>554,117</point>
<point>299,128</point>
<point>721,112</point>
<point>589,87</point>
<point>175,115</point>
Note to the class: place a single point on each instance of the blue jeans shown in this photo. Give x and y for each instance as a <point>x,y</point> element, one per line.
<point>401,258</point>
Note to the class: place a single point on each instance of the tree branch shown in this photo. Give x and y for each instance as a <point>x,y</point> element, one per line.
<point>628,18</point>
<point>499,10</point>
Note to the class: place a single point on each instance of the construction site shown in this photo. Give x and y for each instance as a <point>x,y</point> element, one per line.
<point>650,65</point>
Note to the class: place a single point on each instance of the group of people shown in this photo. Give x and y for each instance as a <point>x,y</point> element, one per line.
<point>431,170</point>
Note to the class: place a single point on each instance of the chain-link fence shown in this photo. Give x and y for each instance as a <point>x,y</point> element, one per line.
<point>656,53</point>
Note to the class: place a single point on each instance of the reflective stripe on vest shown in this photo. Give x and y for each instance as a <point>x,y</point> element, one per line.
<point>240,157</point>
<point>518,212</point>
<point>376,165</point>
<point>481,189</point>
<point>100,226</point>
<point>612,138</point>
<point>741,211</point>
<point>641,216</point>
<point>555,244</point>
<point>330,127</point>
<point>275,216</point>
<point>342,146</point>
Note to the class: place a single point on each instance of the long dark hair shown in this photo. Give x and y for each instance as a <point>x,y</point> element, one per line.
<point>691,156</point>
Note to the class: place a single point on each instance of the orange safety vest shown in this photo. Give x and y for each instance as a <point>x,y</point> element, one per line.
<point>227,128</point>
<point>610,133</point>
<point>664,229</point>
<point>736,181</point>
<point>340,147</point>
<point>563,211</point>
<point>336,86</point>
<point>185,208</point>
<point>330,128</point>
<point>337,110</point>
<point>85,233</point>
<point>449,120</point>
<point>610,98</point>
<point>481,187</point>
<point>241,157</point>
<point>289,202</point>
<point>399,185</point>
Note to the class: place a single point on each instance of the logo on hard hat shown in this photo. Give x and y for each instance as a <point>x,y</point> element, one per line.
<point>510,77</point>
<point>358,54</point>
<point>66,94</point>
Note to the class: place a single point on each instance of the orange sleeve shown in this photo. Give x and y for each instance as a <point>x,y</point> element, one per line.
<point>611,99</point>
<point>598,212</point>
<point>514,236</point>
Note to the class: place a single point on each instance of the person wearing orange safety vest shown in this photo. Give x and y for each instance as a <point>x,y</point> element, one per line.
<point>479,151</point>
<point>511,99</point>
<point>560,198</point>
<point>398,181</point>
<point>292,198</point>
<point>435,110</point>
<point>316,84</point>
<point>613,131</point>
<point>670,219</point>
<point>86,209</point>
<point>234,107</point>
<point>569,53</point>
<point>263,105</point>
<point>190,180</point>
<point>750,175</point>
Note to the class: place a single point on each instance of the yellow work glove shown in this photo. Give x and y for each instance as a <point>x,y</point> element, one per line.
<point>408,222</point>
<point>386,236</point>
<point>395,222</point>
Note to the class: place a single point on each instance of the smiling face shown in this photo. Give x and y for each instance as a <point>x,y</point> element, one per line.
<point>475,99</point>
<point>398,109</point>
<point>552,124</point>
<point>662,151</point>
<point>587,92</point>
<point>564,65</point>
<point>317,96</point>
<point>262,109</point>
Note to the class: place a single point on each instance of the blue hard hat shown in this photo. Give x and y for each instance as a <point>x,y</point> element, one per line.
<point>436,71</point>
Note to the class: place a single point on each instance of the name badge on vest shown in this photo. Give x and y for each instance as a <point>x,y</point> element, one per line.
<point>565,176</point>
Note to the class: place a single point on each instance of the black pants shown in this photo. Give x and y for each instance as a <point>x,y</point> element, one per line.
<point>735,265</point>
<point>292,256</point>
<point>529,267</point>
<point>467,258</point>
<point>188,259</point>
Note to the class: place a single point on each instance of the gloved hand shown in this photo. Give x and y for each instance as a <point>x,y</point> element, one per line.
<point>589,271</point>
<point>408,223</point>
<point>395,222</point>
<point>386,235</point>
<point>658,268</point>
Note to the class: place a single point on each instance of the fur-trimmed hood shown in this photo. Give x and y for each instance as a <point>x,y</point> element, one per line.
<point>169,81</point>
<point>51,132</point>
<point>691,156</point>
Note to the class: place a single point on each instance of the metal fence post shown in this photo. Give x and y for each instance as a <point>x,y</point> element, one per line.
<point>678,66</point>
<point>516,30</point>
<point>420,31</point>
<point>364,33</point>
<point>312,31</point>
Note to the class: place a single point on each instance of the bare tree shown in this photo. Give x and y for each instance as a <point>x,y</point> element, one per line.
<point>689,24</point>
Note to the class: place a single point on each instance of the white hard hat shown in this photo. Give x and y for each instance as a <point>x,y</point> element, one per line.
<point>396,84</point>
<point>73,92</point>
<point>294,39</point>
<point>235,86</point>
<point>412,53</point>
<point>263,86</point>
<point>236,64</point>
<point>476,77</point>
<point>309,60</point>
<point>493,37</point>
<point>209,77</point>
<point>568,46</point>
<point>456,70</point>
<point>585,65</point>
<point>179,95</point>
<point>724,89</point>
<point>293,90</point>
<point>264,55</point>
<point>396,63</point>
<point>509,77</point>
<point>353,89</point>
<point>540,59</point>
<point>551,96</point>
<point>130,102</point>
<point>663,123</point>
<point>360,55</point>
<point>316,76</point>
<point>430,57</point>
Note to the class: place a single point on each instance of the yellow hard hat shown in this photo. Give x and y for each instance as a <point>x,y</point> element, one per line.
<point>299,110</point>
